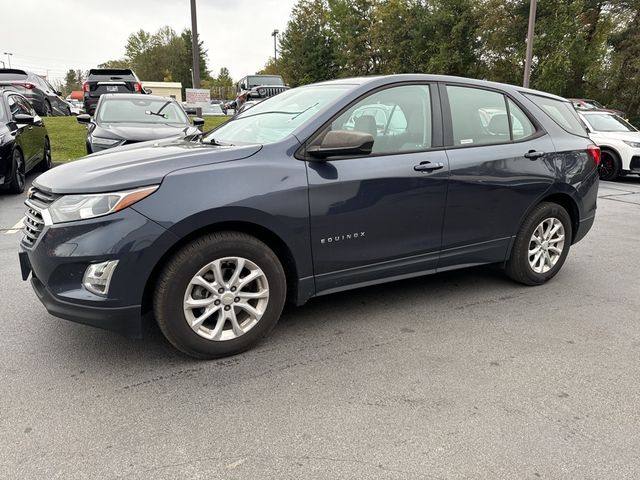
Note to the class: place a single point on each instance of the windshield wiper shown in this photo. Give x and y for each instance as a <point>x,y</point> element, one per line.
<point>213,141</point>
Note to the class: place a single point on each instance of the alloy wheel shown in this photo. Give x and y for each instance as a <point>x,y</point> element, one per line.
<point>546,245</point>
<point>226,298</point>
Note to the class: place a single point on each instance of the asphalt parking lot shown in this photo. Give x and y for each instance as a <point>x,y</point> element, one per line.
<point>458,375</point>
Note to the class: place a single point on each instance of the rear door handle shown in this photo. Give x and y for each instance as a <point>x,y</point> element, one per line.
<point>533,155</point>
<point>428,166</point>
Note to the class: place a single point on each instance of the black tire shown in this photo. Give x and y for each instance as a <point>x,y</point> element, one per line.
<point>89,151</point>
<point>69,114</point>
<point>610,166</point>
<point>176,275</point>
<point>518,267</point>
<point>18,179</point>
<point>48,112</point>
<point>45,163</point>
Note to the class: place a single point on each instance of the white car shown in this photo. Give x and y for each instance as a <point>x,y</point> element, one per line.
<point>618,140</point>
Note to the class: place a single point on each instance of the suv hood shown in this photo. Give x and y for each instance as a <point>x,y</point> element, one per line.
<point>135,166</point>
<point>604,136</point>
<point>139,133</point>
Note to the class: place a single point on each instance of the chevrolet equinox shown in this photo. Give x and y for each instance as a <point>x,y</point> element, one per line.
<point>323,188</point>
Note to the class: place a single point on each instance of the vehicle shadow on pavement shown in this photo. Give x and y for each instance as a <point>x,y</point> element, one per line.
<point>354,316</point>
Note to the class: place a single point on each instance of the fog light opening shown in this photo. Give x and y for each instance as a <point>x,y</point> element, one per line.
<point>97,277</point>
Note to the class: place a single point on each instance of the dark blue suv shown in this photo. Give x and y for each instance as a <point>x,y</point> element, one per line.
<point>322,188</point>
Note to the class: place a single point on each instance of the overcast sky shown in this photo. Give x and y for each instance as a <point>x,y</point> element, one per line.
<point>57,35</point>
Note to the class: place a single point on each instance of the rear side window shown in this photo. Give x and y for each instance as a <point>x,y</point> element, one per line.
<point>560,112</point>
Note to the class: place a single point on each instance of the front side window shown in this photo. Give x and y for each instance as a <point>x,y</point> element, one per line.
<point>118,110</point>
<point>398,119</point>
<point>561,112</point>
<point>16,106</point>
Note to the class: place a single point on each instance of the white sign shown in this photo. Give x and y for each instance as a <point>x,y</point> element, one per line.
<point>198,95</point>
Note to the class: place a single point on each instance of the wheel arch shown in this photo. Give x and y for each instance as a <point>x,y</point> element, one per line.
<point>567,202</point>
<point>262,233</point>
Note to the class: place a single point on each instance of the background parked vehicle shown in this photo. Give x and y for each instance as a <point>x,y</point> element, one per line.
<point>124,119</point>
<point>101,81</point>
<point>253,87</point>
<point>590,104</point>
<point>24,142</point>
<point>281,202</point>
<point>76,107</point>
<point>46,100</point>
<point>618,140</point>
<point>247,105</point>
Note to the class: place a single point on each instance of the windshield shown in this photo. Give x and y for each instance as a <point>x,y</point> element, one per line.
<point>257,81</point>
<point>144,110</point>
<point>593,103</point>
<point>275,118</point>
<point>608,123</point>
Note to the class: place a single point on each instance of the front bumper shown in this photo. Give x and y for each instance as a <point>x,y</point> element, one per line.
<point>61,254</point>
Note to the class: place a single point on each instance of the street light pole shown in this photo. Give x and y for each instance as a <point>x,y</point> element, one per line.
<point>529,54</point>
<point>194,45</point>
<point>274,34</point>
<point>8,54</point>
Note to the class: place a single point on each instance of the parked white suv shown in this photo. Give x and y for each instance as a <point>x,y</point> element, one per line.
<point>618,140</point>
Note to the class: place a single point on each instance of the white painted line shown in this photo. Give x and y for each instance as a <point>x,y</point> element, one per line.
<point>16,228</point>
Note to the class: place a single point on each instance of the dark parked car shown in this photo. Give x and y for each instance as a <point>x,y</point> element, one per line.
<point>46,100</point>
<point>24,141</point>
<point>108,80</point>
<point>122,119</point>
<point>282,202</point>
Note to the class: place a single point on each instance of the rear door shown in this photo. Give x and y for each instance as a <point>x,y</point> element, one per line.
<point>501,161</point>
<point>380,215</point>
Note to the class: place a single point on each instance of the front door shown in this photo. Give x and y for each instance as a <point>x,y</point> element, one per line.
<point>380,215</point>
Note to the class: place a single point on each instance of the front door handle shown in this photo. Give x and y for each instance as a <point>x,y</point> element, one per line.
<point>428,166</point>
<point>533,155</point>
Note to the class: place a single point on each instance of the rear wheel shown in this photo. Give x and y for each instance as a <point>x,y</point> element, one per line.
<point>541,246</point>
<point>47,109</point>
<point>45,163</point>
<point>18,173</point>
<point>219,295</point>
<point>610,165</point>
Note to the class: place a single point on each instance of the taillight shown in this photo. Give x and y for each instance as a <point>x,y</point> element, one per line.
<point>137,87</point>
<point>594,152</point>
<point>27,85</point>
<point>85,87</point>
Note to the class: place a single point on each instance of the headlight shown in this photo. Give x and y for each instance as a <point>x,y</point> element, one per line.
<point>632,144</point>
<point>79,207</point>
<point>104,142</point>
<point>262,91</point>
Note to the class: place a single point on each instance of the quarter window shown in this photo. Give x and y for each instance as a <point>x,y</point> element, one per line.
<point>521,126</point>
<point>560,112</point>
<point>398,119</point>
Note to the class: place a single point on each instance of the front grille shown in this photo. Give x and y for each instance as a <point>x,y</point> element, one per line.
<point>272,91</point>
<point>33,220</point>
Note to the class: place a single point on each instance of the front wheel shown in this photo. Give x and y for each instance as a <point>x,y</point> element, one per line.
<point>48,111</point>
<point>541,246</point>
<point>219,295</point>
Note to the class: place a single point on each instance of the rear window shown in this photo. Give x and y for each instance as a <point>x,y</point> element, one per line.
<point>12,76</point>
<point>560,112</point>
<point>107,75</point>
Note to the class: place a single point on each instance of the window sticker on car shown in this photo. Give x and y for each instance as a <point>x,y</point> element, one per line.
<point>464,141</point>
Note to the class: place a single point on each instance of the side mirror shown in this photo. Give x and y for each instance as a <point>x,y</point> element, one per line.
<point>59,93</point>
<point>148,91</point>
<point>197,121</point>
<point>243,86</point>
<point>24,119</point>
<point>342,142</point>
<point>85,118</point>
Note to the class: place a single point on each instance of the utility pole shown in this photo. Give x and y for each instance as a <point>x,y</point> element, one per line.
<point>194,45</point>
<point>274,34</point>
<point>529,54</point>
<point>8,54</point>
